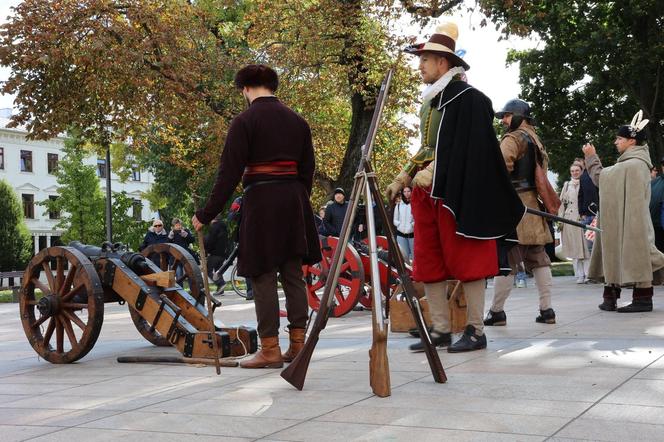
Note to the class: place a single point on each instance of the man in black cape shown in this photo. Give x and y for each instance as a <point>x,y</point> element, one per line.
<point>462,200</point>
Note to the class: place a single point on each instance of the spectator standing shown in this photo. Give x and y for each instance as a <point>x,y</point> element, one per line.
<point>656,207</point>
<point>183,238</point>
<point>335,212</point>
<point>405,224</point>
<point>588,199</point>
<point>156,234</point>
<point>573,238</point>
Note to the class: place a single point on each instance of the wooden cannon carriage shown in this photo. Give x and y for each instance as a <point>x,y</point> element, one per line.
<point>63,324</point>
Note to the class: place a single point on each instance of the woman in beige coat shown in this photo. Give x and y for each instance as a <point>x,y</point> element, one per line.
<point>625,253</point>
<point>573,239</point>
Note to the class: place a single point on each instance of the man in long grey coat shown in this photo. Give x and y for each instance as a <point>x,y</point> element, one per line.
<point>625,253</point>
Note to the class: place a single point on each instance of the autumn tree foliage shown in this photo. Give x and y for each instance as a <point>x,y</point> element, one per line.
<point>159,72</point>
<point>598,64</point>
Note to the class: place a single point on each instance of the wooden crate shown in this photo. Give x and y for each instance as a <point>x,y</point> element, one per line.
<point>401,318</point>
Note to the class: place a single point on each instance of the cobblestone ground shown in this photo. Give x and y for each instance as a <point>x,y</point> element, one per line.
<point>592,376</point>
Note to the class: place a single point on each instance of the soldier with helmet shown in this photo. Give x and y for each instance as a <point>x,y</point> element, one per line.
<point>521,149</point>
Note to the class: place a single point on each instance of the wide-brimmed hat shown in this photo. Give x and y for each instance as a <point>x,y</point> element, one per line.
<point>441,42</point>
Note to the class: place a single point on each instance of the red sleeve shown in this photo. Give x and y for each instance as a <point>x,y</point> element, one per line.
<point>234,158</point>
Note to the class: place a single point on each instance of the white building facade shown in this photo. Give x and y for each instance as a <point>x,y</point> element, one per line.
<point>29,166</point>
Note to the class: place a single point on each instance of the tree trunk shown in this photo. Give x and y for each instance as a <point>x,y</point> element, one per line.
<point>359,128</point>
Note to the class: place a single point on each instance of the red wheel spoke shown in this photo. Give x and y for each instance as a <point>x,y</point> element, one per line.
<point>69,280</point>
<point>69,330</point>
<point>49,276</point>
<point>75,319</point>
<point>73,291</point>
<point>41,286</point>
<point>339,297</point>
<point>59,274</point>
<point>74,306</point>
<point>345,266</point>
<point>49,331</point>
<point>41,320</point>
<point>59,336</point>
<point>345,282</point>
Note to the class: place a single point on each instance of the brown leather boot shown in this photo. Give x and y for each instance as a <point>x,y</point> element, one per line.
<point>269,356</point>
<point>611,294</point>
<point>297,337</point>
<point>641,301</point>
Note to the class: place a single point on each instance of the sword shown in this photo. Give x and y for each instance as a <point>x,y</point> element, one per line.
<point>562,220</point>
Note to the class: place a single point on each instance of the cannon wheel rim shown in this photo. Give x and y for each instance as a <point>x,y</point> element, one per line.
<point>58,310</point>
<point>351,279</point>
<point>192,273</point>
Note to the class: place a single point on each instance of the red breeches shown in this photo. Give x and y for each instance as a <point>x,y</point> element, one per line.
<point>440,253</point>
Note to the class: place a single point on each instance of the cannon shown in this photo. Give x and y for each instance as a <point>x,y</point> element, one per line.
<point>64,322</point>
<point>351,286</point>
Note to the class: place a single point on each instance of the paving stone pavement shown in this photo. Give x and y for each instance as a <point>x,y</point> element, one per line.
<point>592,376</point>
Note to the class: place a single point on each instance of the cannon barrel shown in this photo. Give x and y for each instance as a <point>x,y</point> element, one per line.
<point>134,261</point>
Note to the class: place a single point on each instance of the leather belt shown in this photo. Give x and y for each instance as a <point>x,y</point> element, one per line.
<point>276,168</point>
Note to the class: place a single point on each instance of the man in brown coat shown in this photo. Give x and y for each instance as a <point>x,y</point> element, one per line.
<point>521,148</point>
<point>269,148</point>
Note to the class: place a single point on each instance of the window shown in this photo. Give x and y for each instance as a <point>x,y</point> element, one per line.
<point>52,163</point>
<point>2,158</point>
<point>28,205</point>
<point>137,208</point>
<point>101,168</point>
<point>26,161</point>
<point>53,214</point>
<point>135,173</point>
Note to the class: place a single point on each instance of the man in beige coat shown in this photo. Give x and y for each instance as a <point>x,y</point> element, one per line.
<point>625,253</point>
<point>521,148</point>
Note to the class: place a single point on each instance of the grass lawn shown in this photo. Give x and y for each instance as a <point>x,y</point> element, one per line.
<point>562,269</point>
<point>6,295</point>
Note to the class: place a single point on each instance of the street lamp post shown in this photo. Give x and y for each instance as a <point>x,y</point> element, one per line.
<point>109,215</point>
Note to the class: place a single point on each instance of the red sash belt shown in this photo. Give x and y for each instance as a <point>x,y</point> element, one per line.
<point>276,168</point>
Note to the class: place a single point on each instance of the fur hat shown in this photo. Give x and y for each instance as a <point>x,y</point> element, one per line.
<point>442,42</point>
<point>255,75</point>
<point>635,128</point>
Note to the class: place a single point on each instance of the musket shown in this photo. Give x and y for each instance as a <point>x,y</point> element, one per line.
<point>396,261</point>
<point>379,368</point>
<point>562,220</point>
<point>296,371</point>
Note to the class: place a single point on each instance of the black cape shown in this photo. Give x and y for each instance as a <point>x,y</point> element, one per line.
<point>470,175</point>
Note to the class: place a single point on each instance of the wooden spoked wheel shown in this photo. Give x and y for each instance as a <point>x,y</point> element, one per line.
<point>169,257</point>
<point>63,323</point>
<point>350,283</point>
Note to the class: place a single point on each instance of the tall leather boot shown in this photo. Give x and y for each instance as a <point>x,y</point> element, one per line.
<point>610,295</point>
<point>297,337</point>
<point>269,356</point>
<point>641,301</point>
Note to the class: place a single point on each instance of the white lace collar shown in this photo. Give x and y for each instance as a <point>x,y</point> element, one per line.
<point>433,89</point>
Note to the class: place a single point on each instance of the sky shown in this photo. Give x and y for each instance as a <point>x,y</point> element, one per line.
<point>484,53</point>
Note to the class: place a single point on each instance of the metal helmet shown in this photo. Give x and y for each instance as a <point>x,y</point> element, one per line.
<point>515,107</point>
